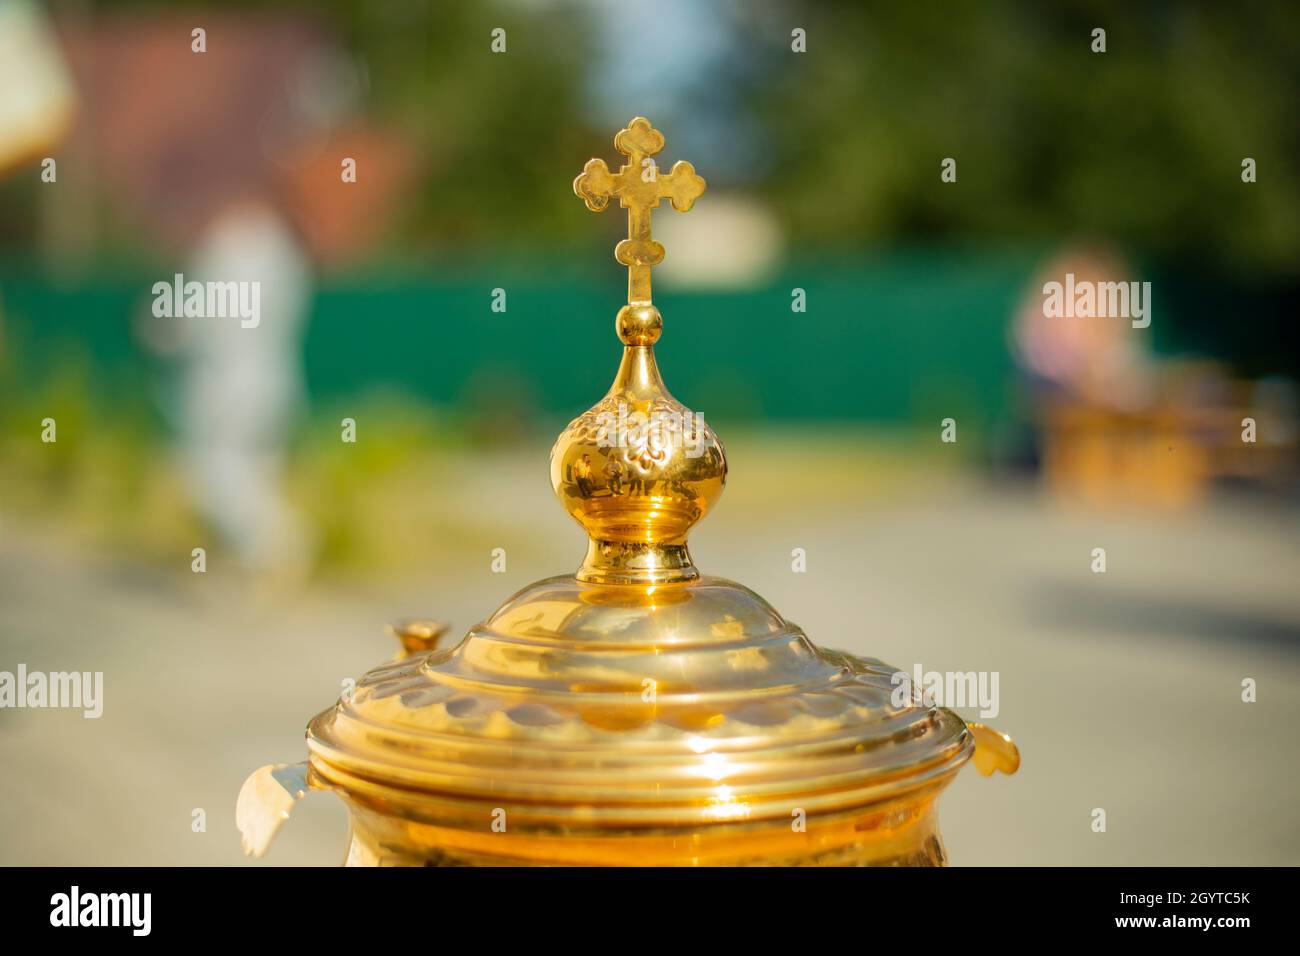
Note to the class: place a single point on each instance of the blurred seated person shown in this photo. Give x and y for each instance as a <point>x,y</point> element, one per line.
<point>1107,430</point>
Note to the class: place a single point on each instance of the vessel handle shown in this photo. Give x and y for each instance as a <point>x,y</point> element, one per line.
<point>267,798</point>
<point>994,750</point>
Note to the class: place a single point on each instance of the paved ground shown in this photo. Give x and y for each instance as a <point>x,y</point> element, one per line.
<point>1123,689</point>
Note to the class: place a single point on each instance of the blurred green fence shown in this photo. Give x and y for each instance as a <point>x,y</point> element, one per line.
<point>894,339</point>
<point>890,339</point>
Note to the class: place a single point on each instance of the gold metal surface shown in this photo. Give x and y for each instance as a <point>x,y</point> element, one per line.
<point>636,712</point>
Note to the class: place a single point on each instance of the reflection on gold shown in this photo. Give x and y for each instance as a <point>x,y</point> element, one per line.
<point>725,805</point>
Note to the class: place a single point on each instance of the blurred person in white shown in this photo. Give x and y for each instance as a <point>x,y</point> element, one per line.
<point>242,386</point>
<point>253,199</point>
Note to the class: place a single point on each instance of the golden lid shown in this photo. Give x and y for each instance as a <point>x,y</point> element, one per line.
<point>635,693</point>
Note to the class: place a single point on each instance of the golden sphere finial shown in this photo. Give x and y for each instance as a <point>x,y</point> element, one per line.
<point>637,471</point>
<point>639,324</point>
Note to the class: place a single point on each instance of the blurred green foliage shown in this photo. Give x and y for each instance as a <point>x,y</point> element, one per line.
<point>99,471</point>
<point>491,128</point>
<point>1141,145</point>
<point>371,507</point>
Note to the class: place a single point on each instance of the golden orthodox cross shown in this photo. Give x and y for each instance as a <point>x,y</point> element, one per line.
<point>638,186</point>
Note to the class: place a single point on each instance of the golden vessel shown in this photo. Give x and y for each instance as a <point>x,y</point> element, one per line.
<point>636,712</point>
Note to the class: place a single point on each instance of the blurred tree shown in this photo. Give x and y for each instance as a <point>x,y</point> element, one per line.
<point>1142,143</point>
<point>493,126</point>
